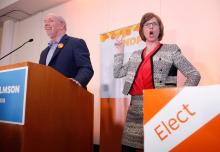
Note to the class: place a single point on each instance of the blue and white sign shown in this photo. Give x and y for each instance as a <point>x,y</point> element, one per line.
<point>13,85</point>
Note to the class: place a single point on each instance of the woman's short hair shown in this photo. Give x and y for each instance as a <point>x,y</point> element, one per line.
<point>146,17</point>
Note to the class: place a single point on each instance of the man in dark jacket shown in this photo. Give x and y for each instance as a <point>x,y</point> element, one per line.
<point>68,55</point>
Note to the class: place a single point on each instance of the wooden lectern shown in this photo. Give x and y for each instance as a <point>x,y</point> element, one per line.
<point>58,115</point>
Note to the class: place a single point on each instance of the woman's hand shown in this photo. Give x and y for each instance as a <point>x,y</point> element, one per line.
<point>119,45</point>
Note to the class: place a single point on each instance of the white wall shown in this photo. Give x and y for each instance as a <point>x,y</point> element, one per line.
<point>193,25</point>
<point>0,37</point>
<point>7,40</point>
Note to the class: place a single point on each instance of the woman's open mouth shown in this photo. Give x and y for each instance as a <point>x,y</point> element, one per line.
<point>151,33</point>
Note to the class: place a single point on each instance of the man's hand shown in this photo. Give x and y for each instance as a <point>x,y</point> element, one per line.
<point>75,81</point>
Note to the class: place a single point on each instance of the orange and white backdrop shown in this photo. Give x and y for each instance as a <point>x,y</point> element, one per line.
<point>111,87</point>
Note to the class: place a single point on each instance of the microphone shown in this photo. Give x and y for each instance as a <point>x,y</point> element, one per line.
<point>30,40</point>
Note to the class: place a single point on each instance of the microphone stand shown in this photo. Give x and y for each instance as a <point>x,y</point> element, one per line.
<point>16,49</point>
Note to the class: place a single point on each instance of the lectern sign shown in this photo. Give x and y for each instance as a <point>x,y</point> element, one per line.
<point>182,119</point>
<point>13,84</point>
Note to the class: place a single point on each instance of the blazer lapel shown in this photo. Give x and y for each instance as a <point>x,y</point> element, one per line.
<point>57,51</point>
<point>136,61</point>
<point>44,55</point>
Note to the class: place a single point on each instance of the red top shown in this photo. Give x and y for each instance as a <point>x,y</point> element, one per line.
<point>143,79</point>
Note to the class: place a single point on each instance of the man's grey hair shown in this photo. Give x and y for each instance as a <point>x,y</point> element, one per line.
<point>58,18</point>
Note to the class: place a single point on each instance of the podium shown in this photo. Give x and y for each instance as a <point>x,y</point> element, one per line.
<point>58,114</point>
<point>182,119</point>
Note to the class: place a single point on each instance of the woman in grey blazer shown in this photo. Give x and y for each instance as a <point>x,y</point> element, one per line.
<point>153,67</point>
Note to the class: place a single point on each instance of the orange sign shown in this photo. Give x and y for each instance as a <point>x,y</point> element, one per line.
<point>182,119</point>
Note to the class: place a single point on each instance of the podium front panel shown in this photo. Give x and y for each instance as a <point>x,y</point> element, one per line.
<point>182,119</point>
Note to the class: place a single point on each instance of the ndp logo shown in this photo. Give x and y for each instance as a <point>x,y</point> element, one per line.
<point>167,128</point>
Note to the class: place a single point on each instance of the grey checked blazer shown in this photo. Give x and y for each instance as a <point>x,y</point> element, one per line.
<point>165,63</point>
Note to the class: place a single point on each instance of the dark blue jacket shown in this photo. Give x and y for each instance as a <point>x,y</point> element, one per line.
<point>72,60</point>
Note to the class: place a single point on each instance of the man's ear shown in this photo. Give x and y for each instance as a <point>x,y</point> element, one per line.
<point>62,26</point>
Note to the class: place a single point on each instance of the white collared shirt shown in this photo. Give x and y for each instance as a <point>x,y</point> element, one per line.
<point>53,47</point>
